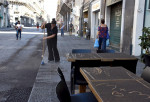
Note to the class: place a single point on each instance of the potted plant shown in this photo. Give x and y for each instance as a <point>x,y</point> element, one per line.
<point>145,45</point>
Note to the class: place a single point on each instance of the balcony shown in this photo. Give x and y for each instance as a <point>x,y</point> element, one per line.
<point>5,3</point>
<point>18,1</point>
<point>1,2</point>
<point>64,8</point>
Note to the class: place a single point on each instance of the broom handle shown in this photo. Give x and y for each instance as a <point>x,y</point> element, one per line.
<point>43,42</point>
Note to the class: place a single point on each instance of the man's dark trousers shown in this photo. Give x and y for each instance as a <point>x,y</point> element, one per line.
<point>52,49</point>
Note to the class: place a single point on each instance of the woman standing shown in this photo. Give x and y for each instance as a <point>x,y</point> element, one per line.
<point>62,30</point>
<point>102,35</point>
<point>52,41</point>
<point>37,25</point>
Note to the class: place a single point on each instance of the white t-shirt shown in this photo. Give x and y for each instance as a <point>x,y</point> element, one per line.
<point>19,26</point>
<point>62,27</point>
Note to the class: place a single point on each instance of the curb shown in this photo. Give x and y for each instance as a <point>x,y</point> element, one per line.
<point>6,29</point>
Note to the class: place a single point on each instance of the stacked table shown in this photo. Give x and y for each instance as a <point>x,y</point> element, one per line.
<point>116,85</point>
<point>100,59</point>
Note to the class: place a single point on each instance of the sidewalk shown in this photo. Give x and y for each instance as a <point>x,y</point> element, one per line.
<point>7,29</point>
<point>47,77</point>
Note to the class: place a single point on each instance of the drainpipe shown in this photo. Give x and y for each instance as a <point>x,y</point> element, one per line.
<point>144,21</point>
<point>81,20</point>
<point>104,8</point>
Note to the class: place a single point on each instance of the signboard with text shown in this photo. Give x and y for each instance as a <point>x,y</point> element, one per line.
<point>110,2</point>
<point>96,6</point>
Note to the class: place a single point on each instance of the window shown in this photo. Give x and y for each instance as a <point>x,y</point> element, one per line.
<point>16,7</point>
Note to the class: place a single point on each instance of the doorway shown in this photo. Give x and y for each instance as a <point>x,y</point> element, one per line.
<point>96,23</point>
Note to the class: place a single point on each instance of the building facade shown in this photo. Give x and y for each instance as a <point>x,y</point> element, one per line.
<point>59,17</point>
<point>84,20</point>
<point>28,12</point>
<point>125,20</point>
<point>4,17</point>
<point>119,18</point>
<point>75,15</point>
<point>63,14</point>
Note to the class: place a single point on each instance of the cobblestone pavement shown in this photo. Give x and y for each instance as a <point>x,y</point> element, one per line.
<point>19,63</point>
<point>47,77</point>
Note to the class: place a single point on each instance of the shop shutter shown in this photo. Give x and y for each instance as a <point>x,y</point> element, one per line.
<point>115,24</point>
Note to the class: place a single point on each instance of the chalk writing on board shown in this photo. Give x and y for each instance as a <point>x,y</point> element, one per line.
<point>118,94</point>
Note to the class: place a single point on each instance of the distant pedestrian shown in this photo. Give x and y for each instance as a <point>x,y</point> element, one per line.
<point>52,40</point>
<point>62,30</point>
<point>53,19</point>
<point>19,29</point>
<point>102,35</point>
<point>71,27</point>
<point>37,25</point>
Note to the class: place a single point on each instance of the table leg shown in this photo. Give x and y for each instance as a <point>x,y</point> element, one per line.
<point>82,88</point>
<point>72,78</point>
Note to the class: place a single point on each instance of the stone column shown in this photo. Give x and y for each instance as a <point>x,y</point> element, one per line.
<point>102,10</point>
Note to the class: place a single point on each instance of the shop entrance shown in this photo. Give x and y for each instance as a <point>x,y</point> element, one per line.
<point>85,24</point>
<point>115,24</point>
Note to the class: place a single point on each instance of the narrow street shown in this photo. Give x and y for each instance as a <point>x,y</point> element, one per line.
<point>19,63</point>
<point>95,51</point>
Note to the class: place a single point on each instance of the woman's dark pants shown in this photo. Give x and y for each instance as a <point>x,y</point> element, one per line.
<point>18,32</point>
<point>53,51</point>
<point>102,44</point>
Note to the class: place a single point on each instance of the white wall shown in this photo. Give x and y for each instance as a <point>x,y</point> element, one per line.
<point>107,16</point>
<point>137,26</point>
<point>92,24</point>
<point>93,36</point>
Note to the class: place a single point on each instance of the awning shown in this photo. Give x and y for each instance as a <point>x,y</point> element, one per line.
<point>85,10</point>
<point>1,2</point>
<point>64,9</point>
<point>60,21</point>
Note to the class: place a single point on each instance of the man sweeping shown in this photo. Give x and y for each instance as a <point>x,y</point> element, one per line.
<point>52,40</point>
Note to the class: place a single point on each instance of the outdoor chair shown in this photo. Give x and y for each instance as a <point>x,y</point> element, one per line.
<point>146,74</point>
<point>76,77</point>
<point>60,74</point>
<point>63,94</point>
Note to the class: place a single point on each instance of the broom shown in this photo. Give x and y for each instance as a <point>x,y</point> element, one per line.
<point>42,62</point>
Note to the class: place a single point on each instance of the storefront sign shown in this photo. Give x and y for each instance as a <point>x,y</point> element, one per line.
<point>85,19</point>
<point>85,10</point>
<point>96,6</point>
<point>111,2</point>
